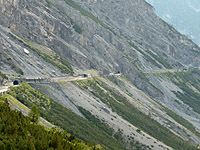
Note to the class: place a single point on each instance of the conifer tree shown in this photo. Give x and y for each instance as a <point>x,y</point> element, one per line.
<point>34,114</point>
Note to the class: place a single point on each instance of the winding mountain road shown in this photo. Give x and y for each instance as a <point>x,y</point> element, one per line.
<point>165,71</point>
<point>4,89</point>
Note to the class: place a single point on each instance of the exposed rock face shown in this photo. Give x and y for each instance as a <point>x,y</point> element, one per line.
<point>131,20</point>
<point>1,80</point>
<point>112,36</point>
<point>137,21</point>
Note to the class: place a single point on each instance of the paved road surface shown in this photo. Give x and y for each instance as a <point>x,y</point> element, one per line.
<point>3,90</point>
<point>164,71</point>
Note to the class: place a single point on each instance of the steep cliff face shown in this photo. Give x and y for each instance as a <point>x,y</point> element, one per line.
<point>133,21</point>
<point>136,20</point>
<point>48,38</point>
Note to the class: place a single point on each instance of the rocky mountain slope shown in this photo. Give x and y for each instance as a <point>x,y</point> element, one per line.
<point>47,38</point>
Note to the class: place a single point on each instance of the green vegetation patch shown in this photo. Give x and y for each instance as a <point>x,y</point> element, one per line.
<point>160,60</point>
<point>26,95</point>
<point>86,13</point>
<point>15,102</point>
<point>20,133</point>
<point>65,118</point>
<point>13,66</point>
<point>117,135</point>
<point>184,80</point>
<point>57,61</point>
<point>77,28</point>
<point>147,57</point>
<point>169,112</point>
<point>142,76</point>
<point>3,76</point>
<point>181,120</point>
<point>120,105</point>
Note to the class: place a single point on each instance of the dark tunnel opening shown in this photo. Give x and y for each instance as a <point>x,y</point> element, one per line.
<point>15,82</point>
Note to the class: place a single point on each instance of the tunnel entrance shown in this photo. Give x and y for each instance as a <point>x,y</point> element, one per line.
<point>15,82</point>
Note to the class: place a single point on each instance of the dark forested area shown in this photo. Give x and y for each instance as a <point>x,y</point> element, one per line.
<point>18,132</point>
